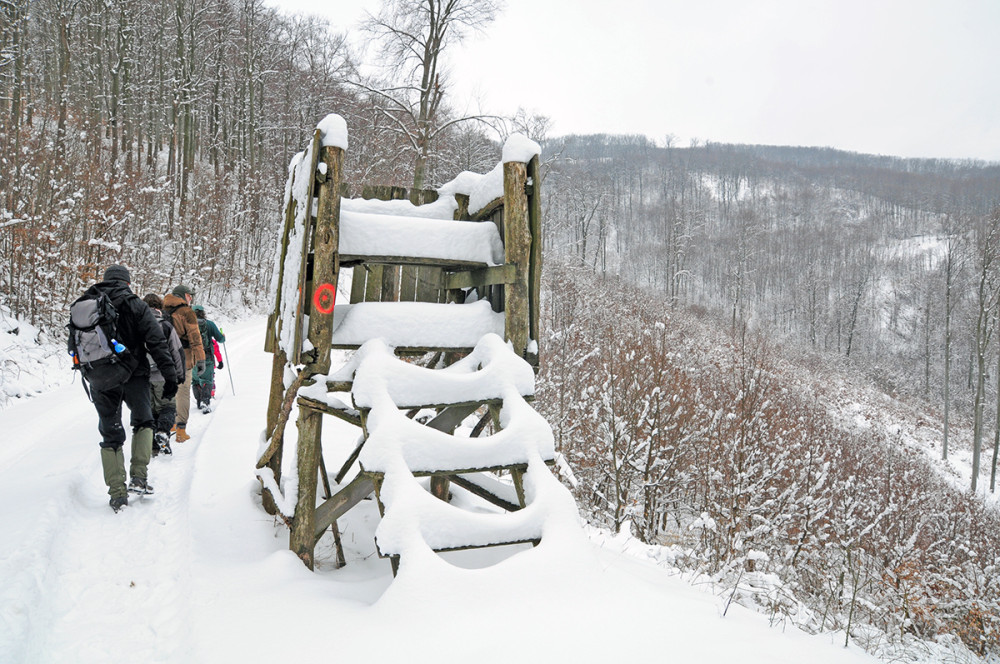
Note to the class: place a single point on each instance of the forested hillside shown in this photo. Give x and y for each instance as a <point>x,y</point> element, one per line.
<point>779,475</point>
<point>889,264</point>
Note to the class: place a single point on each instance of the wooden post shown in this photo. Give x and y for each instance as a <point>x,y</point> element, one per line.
<point>302,540</point>
<point>326,260</point>
<point>517,250</point>
<point>535,262</point>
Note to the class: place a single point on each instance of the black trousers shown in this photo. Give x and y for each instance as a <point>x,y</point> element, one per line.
<point>134,393</point>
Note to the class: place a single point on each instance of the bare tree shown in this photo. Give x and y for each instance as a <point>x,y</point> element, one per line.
<point>413,35</point>
<point>987,294</point>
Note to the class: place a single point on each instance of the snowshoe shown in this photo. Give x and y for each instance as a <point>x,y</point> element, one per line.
<point>118,502</point>
<point>140,486</point>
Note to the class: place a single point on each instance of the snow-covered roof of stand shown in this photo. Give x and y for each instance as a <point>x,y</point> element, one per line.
<point>364,234</point>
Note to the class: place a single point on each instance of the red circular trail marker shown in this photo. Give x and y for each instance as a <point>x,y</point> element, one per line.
<point>324,298</point>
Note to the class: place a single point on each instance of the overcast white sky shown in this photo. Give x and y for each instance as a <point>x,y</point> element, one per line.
<point>911,78</point>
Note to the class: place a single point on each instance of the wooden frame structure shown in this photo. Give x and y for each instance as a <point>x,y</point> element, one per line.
<point>312,232</point>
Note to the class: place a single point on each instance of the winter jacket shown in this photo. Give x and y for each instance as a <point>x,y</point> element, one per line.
<point>173,345</point>
<point>209,332</point>
<point>138,329</point>
<point>186,324</point>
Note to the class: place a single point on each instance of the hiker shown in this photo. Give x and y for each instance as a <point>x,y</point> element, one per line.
<point>135,332</point>
<point>164,409</point>
<point>177,306</point>
<point>203,382</point>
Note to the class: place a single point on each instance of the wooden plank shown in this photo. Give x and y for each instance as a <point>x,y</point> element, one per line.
<point>413,350</point>
<point>351,458</point>
<point>339,386</point>
<point>429,284</point>
<point>390,283</point>
<point>534,542</point>
<point>486,212</point>
<point>484,493</point>
<point>487,276</point>
<point>351,416</point>
<point>408,283</point>
<point>306,237</point>
<point>512,467</point>
<point>330,510</point>
<point>373,287</point>
<point>358,280</point>
<point>417,261</point>
<point>477,545</point>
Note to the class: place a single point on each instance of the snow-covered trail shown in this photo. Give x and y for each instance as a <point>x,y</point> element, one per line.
<point>200,573</point>
<point>70,565</point>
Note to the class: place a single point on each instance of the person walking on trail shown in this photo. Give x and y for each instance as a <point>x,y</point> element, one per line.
<point>138,333</point>
<point>203,382</point>
<point>164,409</point>
<point>177,306</point>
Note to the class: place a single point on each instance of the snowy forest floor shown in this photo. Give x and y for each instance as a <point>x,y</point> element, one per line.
<point>200,573</point>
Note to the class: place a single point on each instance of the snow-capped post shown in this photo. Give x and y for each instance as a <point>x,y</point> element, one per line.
<point>320,300</point>
<point>518,150</point>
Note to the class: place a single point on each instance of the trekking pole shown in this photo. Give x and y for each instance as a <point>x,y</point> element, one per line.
<point>229,368</point>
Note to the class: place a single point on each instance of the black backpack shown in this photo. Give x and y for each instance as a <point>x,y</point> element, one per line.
<point>93,342</point>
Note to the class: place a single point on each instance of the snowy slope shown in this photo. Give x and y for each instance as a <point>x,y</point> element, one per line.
<point>199,573</point>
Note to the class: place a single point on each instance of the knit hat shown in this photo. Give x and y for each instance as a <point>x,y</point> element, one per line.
<point>117,273</point>
<point>182,290</point>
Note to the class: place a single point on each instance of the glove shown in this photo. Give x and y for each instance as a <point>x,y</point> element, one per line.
<point>220,364</point>
<point>201,367</point>
<point>169,389</point>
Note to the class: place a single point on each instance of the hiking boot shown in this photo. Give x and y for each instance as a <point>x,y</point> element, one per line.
<point>139,485</point>
<point>118,502</point>
<point>182,435</point>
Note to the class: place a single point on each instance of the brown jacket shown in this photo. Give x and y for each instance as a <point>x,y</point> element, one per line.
<point>186,324</point>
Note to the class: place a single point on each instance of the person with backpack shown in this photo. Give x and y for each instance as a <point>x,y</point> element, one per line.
<point>164,409</point>
<point>111,332</point>
<point>177,307</point>
<point>203,382</point>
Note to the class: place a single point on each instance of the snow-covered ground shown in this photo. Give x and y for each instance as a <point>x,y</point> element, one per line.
<point>200,573</point>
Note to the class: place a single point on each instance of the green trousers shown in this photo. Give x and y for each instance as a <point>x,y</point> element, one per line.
<point>113,462</point>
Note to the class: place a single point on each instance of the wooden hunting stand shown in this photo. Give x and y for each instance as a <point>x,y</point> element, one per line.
<point>470,299</point>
